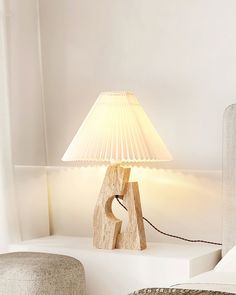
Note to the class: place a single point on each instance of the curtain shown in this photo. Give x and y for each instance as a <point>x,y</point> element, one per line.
<point>9,228</point>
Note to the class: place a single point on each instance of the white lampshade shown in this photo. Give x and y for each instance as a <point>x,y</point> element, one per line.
<point>117,129</point>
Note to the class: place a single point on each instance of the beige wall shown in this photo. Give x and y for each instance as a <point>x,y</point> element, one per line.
<point>178,57</point>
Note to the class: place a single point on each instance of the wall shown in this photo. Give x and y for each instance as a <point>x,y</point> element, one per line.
<point>178,57</point>
<point>32,196</point>
<point>27,118</point>
<point>186,203</point>
<point>9,230</point>
<point>25,84</point>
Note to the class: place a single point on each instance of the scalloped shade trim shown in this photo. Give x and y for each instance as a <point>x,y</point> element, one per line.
<point>117,130</point>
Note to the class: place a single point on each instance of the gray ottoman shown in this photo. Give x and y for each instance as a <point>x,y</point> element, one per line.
<point>26,273</point>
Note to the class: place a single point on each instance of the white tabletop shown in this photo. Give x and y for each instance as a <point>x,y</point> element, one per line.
<point>120,271</point>
<point>188,250</point>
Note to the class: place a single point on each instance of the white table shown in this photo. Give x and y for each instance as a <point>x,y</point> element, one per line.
<point>119,272</point>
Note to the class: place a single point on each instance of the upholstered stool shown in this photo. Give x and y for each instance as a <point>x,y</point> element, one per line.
<point>26,273</point>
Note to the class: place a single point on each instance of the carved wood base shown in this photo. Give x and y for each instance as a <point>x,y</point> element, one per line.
<point>107,228</point>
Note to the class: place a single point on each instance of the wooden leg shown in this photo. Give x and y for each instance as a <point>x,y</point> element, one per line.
<point>133,236</point>
<point>106,226</point>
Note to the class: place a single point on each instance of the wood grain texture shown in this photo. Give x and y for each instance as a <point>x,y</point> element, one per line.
<point>134,235</point>
<point>107,228</point>
<point>106,225</point>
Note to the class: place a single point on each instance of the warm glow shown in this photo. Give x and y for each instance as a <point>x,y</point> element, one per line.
<point>117,129</point>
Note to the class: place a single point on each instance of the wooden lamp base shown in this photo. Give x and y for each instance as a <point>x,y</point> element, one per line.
<point>107,228</point>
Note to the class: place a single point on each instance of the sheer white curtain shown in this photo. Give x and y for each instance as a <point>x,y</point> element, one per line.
<point>9,229</point>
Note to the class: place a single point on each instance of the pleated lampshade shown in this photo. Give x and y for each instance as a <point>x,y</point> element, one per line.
<point>117,130</point>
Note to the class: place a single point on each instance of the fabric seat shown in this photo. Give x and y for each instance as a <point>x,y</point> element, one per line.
<point>31,273</point>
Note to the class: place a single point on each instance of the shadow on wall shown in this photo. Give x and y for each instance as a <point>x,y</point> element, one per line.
<point>186,203</point>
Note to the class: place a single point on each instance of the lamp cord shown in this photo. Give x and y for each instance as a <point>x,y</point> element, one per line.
<point>170,235</point>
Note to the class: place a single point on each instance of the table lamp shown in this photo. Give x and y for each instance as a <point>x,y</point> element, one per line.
<point>117,132</point>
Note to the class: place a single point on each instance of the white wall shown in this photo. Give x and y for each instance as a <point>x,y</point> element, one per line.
<point>178,57</point>
<point>25,84</point>
<point>32,201</point>
<point>27,117</point>
<point>9,230</point>
<point>186,203</point>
